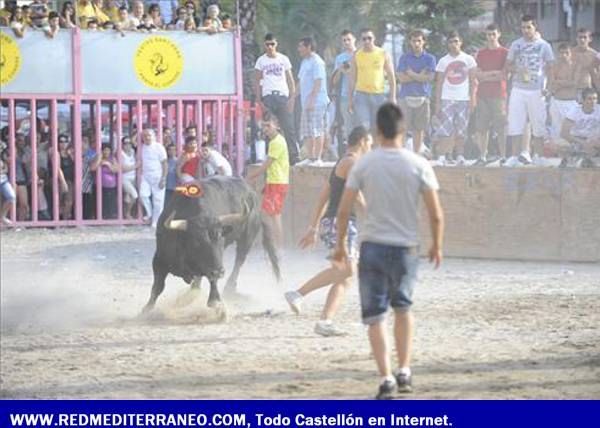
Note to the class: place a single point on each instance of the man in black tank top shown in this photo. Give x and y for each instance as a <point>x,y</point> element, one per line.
<point>324,220</point>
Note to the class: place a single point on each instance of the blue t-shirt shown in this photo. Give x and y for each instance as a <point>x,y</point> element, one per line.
<point>311,69</point>
<point>409,60</point>
<point>344,57</point>
<point>171,173</point>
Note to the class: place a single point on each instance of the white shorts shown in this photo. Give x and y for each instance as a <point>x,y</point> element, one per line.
<point>558,110</point>
<point>525,105</point>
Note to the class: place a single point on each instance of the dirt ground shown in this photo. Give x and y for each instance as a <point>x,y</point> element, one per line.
<point>485,329</point>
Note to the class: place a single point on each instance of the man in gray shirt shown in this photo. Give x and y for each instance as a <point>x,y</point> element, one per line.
<point>529,60</point>
<point>391,180</point>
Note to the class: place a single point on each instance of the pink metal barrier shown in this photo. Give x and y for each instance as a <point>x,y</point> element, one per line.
<point>36,121</point>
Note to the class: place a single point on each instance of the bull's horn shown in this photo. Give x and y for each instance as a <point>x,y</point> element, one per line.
<point>175,224</point>
<point>230,219</point>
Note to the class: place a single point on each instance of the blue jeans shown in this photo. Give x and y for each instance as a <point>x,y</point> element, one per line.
<point>387,276</point>
<point>365,108</point>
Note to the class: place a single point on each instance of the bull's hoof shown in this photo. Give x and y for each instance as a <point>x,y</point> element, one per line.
<point>147,308</point>
<point>213,303</point>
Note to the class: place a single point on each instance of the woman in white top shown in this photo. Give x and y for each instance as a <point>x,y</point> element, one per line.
<point>17,22</point>
<point>129,165</point>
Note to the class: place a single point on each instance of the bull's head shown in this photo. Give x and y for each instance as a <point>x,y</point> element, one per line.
<point>205,242</point>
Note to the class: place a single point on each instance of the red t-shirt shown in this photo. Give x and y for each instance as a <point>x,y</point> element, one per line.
<point>191,166</point>
<point>490,60</point>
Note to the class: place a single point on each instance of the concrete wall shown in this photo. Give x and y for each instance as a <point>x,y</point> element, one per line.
<point>496,213</point>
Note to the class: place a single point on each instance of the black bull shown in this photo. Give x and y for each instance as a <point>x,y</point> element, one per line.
<point>193,232</point>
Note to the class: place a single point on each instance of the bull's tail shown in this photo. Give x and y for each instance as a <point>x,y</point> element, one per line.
<point>268,243</point>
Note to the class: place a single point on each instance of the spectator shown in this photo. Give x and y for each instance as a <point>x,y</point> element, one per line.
<point>88,178</point>
<point>154,176</point>
<point>171,171</point>
<point>100,16</point>
<point>21,179</point>
<point>491,94</point>
<point>188,164</point>
<point>6,190</point>
<point>39,13</point>
<point>366,91</point>
<point>415,72</point>
<point>190,25</point>
<point>67,16</point>
<point>191,132</point>
<point>27,15</point>
<point>167,137</point>
<point>167,10</point>
<point>313,95</point>
<point>154,12</point>
<point>227,23</point>
<point>17,22</point>
<point>584,60</point>
<point>43,212</point>
<point>339,81</point>
<point>219,165</point>
<point>111,9</point>
<point>85,12</point>
<point>126,22</point>
<point>129,167</point>
<point>137,12</point>
<point>274,86</point>
<point>180,19</point>
<point>324,219</point>
<point>391,179</point>
<point>529,61</point>
<point>6,12</point>
<point>212,24</point>
<point>108,175</point>
<point>109,25</point>
<point>147,24</point>
<point>277,169</point>
<point>66,177</point>
<point>92,24</point>
<point>51,30</point>
<point>455,99</point>
<point>581,128</point>
<point>192,12</point>
<point>563,88</point>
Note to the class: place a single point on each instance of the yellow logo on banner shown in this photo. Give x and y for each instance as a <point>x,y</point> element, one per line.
<point>158,62</point>
<point>10,59</point>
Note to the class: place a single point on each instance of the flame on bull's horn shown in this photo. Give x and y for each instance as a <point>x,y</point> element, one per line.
<point>175,224</point>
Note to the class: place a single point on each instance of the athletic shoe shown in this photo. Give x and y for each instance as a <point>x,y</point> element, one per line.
<point>460,160</point>
<point>404,382</point>
<point>525,157</point>
<point>294,299</point>
<point>563,163</point>
<point>316,162</point>
<point>441,161</point>
<point>328,329</point>
<point>587,163</point>
<point>480,162</point>
<point>6,221</point>
<point>386,390</point>
<point>512,162</point>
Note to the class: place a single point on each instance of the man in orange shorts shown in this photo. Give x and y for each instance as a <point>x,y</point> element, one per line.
<point>277,169</point>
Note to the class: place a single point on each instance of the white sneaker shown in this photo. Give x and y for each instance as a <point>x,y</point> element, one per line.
<point>6,221</point>
<point>512,162</point>
<point>316,162</point>
<point>540,161</point>
<point>525,157</point>
<point>441,161</point>
<point>460,160</point>
<point>328,329</point>
<point>294,299</point>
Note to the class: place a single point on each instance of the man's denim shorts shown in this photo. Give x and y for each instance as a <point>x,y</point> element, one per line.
<point>387,275</point>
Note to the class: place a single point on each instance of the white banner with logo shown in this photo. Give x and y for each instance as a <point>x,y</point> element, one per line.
<point>35,64</point>
<point>168,62</point>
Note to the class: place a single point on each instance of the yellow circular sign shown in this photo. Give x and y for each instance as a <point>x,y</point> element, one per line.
<point>158,62</point>
<point>10,59</point>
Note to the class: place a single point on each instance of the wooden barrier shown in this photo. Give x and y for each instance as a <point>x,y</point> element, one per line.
<point>494,213</point>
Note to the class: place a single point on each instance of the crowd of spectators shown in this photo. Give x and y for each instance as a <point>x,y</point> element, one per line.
<point>142,173</point>
<point>115,15</point>
<point>497,106</point>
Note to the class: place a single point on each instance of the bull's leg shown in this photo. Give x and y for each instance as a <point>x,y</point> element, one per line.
<point>160,274</point>
<point>196,282</point>
<point>242,248</point>
<point>214,298</point>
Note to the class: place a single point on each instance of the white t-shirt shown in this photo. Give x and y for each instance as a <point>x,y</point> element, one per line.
<point>273,73</point>
<point>456,79</point>
<point>152,157</point>
<point>586,125</point>
<point>216,160</point>
<point>126,162</point>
